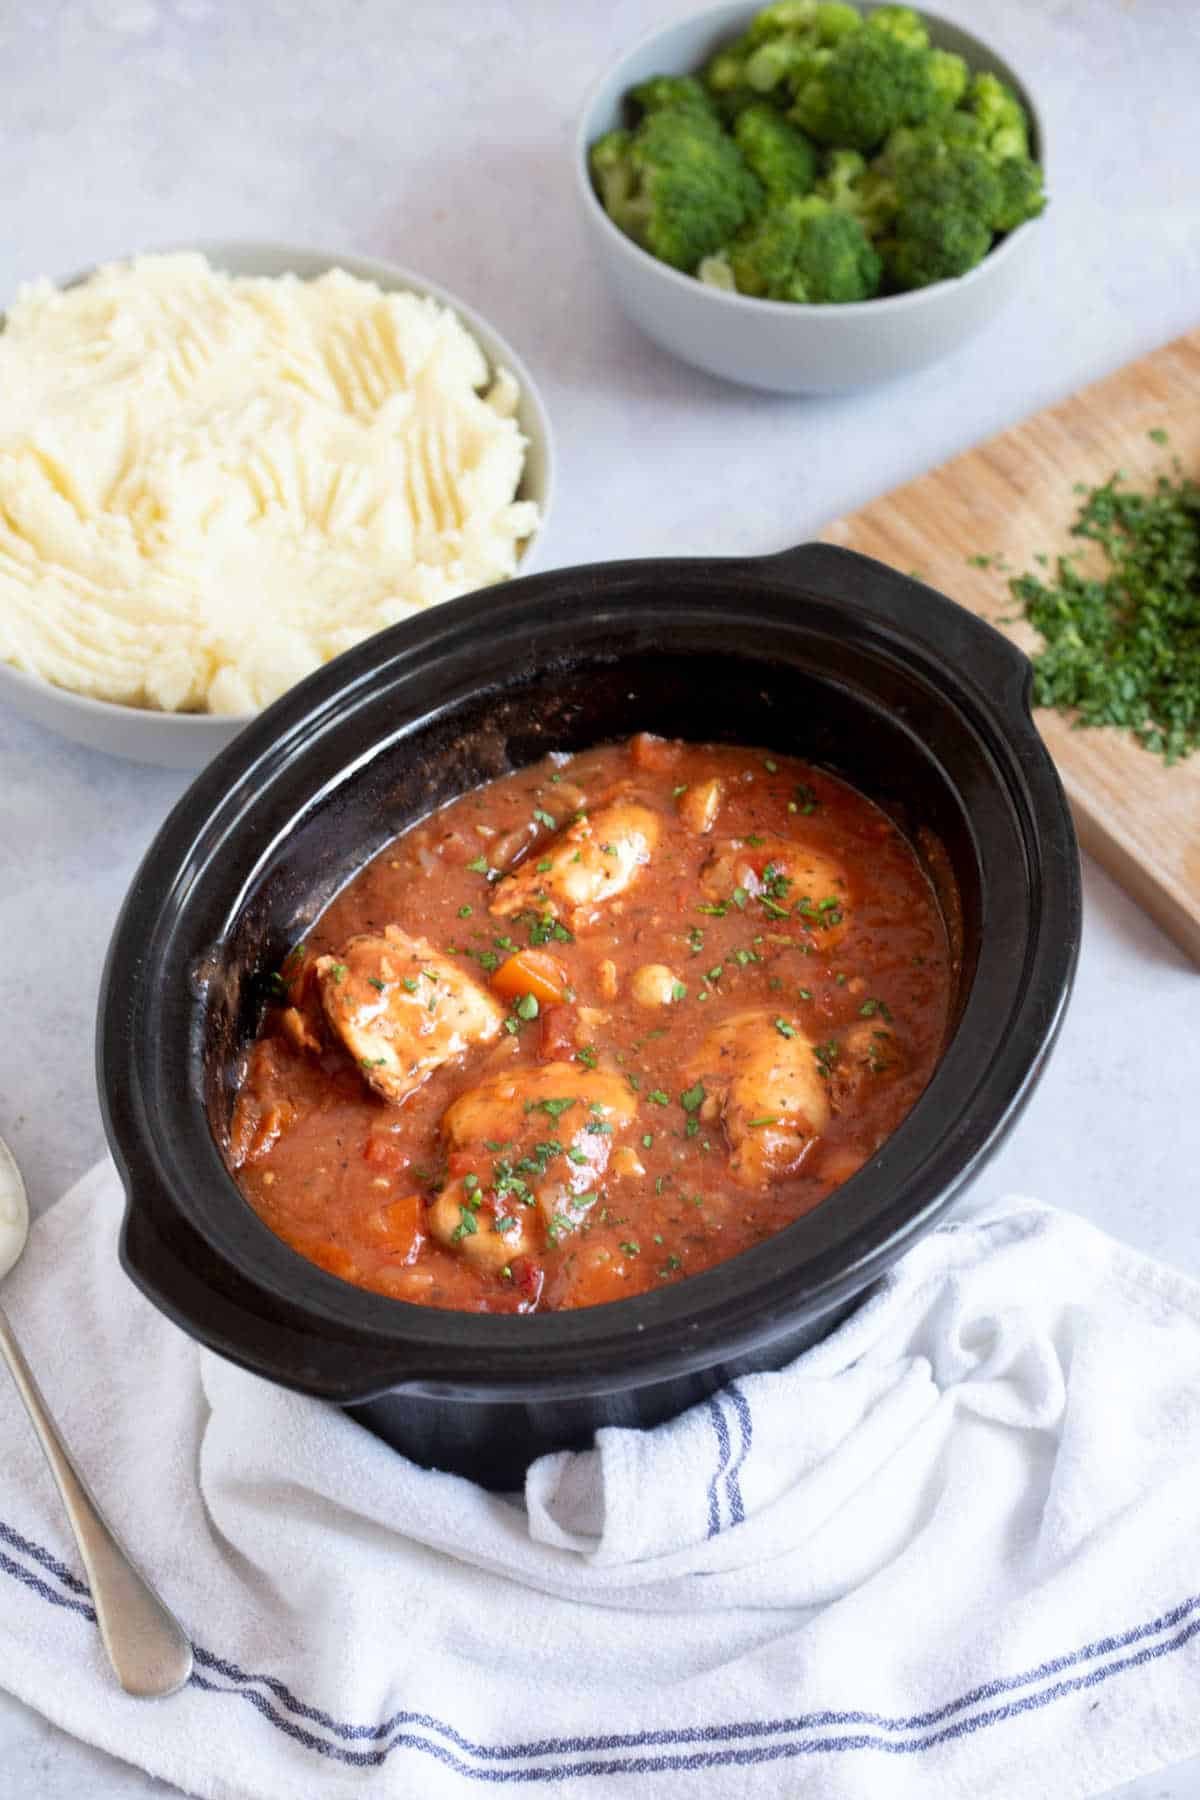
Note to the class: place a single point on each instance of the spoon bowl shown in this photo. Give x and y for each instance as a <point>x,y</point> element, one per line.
<point>146,1645</point>
<point>14,1211</point>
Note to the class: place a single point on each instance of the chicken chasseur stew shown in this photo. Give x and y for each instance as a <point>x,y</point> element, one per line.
<point>593,1028</point>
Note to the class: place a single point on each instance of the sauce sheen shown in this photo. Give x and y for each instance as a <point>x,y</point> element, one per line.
<point>593,1028</point>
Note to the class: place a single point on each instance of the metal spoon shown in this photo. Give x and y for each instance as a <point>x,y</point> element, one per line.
<point>146,1645</point>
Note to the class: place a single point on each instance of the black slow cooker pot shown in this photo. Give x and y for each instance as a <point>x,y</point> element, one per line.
<point>815,652</point>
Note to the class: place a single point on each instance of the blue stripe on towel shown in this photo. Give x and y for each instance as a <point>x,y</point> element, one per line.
<point>741,1406</point>
<point>722,1431</point>
<point>719,1743</point>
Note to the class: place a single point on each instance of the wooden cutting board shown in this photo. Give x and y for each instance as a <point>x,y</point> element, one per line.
<point>1012,497</point>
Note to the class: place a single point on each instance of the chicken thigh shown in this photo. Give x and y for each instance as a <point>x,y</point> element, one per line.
<point>528,1150</point>
<point>594,859</point>
<point>788,878</point>
<point>402,1010</point>
<point>763,1078</point>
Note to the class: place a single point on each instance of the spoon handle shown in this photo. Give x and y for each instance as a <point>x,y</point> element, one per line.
<point>146,1645</point>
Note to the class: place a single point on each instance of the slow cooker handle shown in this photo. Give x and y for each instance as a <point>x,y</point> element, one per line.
<point>245,1327</point>
<point>923,613</point>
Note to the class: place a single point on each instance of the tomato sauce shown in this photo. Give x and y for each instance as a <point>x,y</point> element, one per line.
<point>637,1010</point>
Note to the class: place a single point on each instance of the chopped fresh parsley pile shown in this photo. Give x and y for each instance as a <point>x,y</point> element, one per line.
<point>1123,647</point>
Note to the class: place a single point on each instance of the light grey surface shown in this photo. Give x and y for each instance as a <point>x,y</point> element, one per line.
<point>189,740</point>
<point>441,138</point>
<point>767,343</point>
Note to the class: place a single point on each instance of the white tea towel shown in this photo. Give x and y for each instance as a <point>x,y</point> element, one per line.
<point>954,1550</point>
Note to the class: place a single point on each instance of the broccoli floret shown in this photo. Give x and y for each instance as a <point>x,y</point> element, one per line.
<point>822,21</point>
<point>947,165</point>
<point>782,157</point>
<point>902,23</point>
<point>841,179</point>
<point>724,78</point>
<point>1021,194</point>
<point>932,243</point>
<point>949,76</point>
<point>791,40</point>
<point>806,250</point>
<point>1000,114</point>
<point>790,60</point>
<point>677,185</point>
<point>870,84</point>
<point>671,93</point>
<point>952,176</point>
<point>862,189</point>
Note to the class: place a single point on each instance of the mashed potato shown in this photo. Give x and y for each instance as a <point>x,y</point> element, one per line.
<point>210,486</point>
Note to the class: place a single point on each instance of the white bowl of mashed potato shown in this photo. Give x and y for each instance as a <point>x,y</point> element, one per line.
<point>221,467</point>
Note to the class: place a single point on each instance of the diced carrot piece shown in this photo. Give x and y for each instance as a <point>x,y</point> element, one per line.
<point>532,972</point>
<point>556,1042</point>
<point>333,1258</point>
<point>401,1224</point>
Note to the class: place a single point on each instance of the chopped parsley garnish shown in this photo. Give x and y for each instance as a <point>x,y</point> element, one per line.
<point>544,865</point>
<point>554,1109</point>
<point>739,897</point>
<point>544,818</point>
<point>869,1008</point>
<point>374,981</point>
<point>1122,647</point>
<point>464,912</point>
<point>631,1247</point>
<point>527,1007</point>
<point>767,1119</point>
<point>587,1055</point>
<point>338,971</point>
<point>467,1226</point>
<point>479,866</point>
<point>576,1156</point>
<point>678,991</point>
<point>716,911</point>
<point>410,984</point>
<point>692,1098</point>
<point>656,1097</point>
<point>826,1055</point>
<point>543,927</point>
<point>647,1140</point>
<point>373,1062</point>
<point>784,1029</point>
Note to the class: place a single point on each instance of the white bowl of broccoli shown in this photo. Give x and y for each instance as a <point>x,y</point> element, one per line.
<point>810,196</point>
